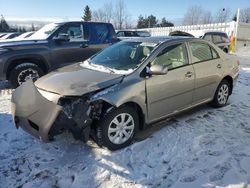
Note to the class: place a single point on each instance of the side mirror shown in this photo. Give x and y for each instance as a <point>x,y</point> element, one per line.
<point>158,70</point>
<point>62,38</point>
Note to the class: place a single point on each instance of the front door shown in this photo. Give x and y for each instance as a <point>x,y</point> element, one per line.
<point>75,50</point>
<point>173,91</point>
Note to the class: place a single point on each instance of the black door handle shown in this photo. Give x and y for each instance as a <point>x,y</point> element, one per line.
<point>219,66</point>
<point>189,74</point>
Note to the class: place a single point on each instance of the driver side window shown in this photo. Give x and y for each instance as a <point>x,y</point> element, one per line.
<point>173,56</point>
<point>74,32</point>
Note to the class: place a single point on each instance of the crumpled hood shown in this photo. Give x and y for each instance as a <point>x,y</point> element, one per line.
<point>75,80</point>
<point>9,44</point>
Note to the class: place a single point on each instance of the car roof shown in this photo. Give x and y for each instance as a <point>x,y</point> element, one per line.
<point>199,33</point>
<point>216,32</point>
<point>64,22</point>
<point>162,39</point>
<point>127,30</point>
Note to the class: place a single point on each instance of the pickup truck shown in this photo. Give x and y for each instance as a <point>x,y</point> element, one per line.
<point>53,46</point>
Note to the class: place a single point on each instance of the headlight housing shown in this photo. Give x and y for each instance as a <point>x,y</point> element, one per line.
<point>53,97</point>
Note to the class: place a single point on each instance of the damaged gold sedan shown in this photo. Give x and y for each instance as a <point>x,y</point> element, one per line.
<point>125,87</point>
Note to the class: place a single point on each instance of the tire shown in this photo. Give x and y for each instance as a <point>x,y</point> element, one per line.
<point>225,50</point>
<point>110,135</point>
<point>23,72</point>
<point>222,94</point>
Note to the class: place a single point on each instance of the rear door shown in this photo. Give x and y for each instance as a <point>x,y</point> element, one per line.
<point>173,91</point>
<point>100,36</point>
<point>208,70</point>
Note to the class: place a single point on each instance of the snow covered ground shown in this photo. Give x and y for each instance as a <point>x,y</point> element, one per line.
<point>204,147</point>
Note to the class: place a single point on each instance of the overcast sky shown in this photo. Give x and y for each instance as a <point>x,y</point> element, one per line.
<point>173,10</point>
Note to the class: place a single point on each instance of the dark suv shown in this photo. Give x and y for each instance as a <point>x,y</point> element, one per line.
<point>53,46</point>
<point>219,38</point>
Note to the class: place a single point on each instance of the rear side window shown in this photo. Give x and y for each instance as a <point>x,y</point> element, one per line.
<point>102,33</point>
<point>200,52</point>
<point>120,34</point>
<point>130,34</point>
<point>143,34</point>
<point>208,37</point>
<point>217,38</point>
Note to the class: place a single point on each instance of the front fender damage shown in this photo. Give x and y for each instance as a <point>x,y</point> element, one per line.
<point>77,116</point>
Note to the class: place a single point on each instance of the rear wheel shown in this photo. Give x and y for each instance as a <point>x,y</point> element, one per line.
<point>222,94</point>
<point>117,128</point>
<point>23,72</point>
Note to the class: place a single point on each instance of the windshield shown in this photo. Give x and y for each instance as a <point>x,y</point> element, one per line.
<point>122,57</point>
<point>45,31</point>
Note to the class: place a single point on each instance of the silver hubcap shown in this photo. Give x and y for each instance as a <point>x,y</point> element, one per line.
<point>223,94</point>
<point>26,75</point>
<point>121,128</point>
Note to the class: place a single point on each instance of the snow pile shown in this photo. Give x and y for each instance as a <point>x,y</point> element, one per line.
<point>204,147</point>
<point>244,51</point>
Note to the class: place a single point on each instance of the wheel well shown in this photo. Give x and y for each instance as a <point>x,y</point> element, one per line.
<point>139,112</point>
<point>106,106</point>
<point>38,61</point>
<point>225,50</point>
<point>230,80</point>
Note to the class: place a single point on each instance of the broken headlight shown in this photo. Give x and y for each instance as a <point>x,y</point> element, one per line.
<point>53,97</point>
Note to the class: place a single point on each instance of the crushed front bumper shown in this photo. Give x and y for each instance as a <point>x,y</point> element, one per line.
<point>44,119</point>
<point>32,112</point>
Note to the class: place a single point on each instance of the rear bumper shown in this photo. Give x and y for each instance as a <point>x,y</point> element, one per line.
<point>235,76</point>
<point>32,112</point>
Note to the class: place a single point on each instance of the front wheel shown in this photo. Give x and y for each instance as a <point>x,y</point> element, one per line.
<point>117,128</point>
<point>222,94</point>
<point>23,72</point>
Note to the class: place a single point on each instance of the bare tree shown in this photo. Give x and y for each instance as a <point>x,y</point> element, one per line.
<point>193,15</point>
<point>128,23</point>
<point>98,15</point>
<point>206,18</point>
<point>104,14</point>
<point>222,15</point>
<point>109,12</point>
<point>117,15</point>
<point>121,16</point>
<point>245,15</point>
